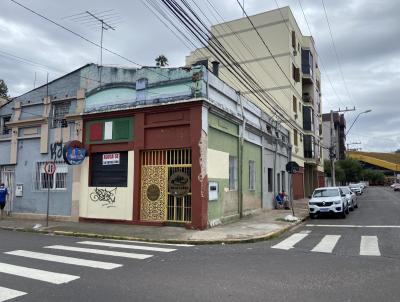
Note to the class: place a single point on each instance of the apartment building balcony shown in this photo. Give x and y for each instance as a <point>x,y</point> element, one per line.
<point>308,99</point>
<point>309,148</point>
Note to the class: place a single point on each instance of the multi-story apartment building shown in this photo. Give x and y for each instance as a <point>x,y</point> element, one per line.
<point>338,137</point>
<point>284,63</point>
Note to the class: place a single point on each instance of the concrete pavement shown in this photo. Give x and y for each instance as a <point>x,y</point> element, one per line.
<point>261,226</point>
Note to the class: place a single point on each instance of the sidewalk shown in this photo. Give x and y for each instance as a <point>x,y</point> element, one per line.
<point>261,226</point>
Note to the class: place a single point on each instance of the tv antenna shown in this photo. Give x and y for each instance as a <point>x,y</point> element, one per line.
<point>108,20</point>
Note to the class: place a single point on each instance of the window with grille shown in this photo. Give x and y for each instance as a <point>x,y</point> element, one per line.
<point>252,175</point>
<point>4,130</point>
<point>60,110</point>
<point>233,174</point>
<point>57,181</point>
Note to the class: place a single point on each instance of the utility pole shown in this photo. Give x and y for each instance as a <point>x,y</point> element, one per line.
<point>332,148</point>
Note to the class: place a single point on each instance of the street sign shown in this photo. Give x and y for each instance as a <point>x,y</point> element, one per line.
<point>292,167</point>
<point>74,153</point>
<point>50,167</point>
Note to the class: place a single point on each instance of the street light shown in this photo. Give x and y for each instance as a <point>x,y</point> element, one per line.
<point>366,111</point>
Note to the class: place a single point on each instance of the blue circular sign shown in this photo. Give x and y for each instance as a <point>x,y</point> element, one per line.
<point>74,153</point>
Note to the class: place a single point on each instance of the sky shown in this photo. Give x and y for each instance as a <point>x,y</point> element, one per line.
<point>365,33</point>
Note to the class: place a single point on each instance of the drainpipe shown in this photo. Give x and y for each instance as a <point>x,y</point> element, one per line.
<point>275,155</point>
<point>241,157</point>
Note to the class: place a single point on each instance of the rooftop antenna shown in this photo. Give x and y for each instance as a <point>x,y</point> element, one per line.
<point>107,19</point>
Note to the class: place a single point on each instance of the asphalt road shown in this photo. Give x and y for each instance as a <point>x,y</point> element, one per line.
<point>283,269</point>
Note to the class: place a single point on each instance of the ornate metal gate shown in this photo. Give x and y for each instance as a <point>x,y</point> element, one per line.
<point>166,193</point>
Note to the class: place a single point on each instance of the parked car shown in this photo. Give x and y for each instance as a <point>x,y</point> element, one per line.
<point>396,187</point>
<point>351,198</point>
<point>356,188</point>
<point>328,200</point>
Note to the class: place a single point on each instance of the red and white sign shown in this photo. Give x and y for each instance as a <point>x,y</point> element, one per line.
<point>111,159</point>
<point>50,168</point>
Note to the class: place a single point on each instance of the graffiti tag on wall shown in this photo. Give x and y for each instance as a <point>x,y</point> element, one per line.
<point>56,151</point>
<point>105,196</point>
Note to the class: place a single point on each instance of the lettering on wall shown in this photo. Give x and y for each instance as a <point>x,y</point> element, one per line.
<point>56,150</point>
<point>105,196</point>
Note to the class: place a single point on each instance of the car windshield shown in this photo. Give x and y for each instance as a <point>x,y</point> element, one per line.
<point>345,190</point>
<point>326,193</point>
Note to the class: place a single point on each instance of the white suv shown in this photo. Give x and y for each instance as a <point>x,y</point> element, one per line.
<point>328,200</point>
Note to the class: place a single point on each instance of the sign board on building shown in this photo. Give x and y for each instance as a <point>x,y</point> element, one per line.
<point>111,159</point>
<point>50,168</point>
<point>153,192</point>
<point>179,184</point>
<point>74,153</point>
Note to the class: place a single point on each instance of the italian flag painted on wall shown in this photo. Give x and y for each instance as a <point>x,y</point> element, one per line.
<point>118,129</point>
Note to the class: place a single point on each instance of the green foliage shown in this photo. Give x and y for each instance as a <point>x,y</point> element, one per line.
<point>3,89</point>
<point>161,61</point>
<point>352,170</point>
<point>327,168</point>
<point>374,177</point>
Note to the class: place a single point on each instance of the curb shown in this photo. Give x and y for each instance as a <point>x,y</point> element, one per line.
<point>254,239</point>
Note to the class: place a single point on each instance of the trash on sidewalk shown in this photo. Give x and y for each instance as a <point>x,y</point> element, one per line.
<point>37,226</point>
<point>291,218</point>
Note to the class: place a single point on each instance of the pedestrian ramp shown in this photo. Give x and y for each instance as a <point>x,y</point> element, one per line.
<point>80,254</point>
<point>368,246</point>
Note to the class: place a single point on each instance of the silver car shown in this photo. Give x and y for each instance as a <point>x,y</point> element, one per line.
<point>351,198</point>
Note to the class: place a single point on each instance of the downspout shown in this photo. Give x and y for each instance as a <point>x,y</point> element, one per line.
<point>275,154</point>
<point>241,157</point>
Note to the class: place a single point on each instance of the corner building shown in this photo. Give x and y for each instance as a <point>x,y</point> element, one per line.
<point>296,88</point>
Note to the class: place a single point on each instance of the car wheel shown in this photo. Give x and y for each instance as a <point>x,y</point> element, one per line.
<point>343,213</point>
<point>347,210</point>
<point>352,206</point>
<point>356,206</point>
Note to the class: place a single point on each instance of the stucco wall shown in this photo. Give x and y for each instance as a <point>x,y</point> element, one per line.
<point>91,206</point>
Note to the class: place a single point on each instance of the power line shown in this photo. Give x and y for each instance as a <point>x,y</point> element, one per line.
<point>335,50</point>
<point>320,57</point>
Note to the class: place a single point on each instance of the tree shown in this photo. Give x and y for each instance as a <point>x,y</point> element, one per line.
<point>161,61</point>
<point>352,169</point>
<point>3,89</point>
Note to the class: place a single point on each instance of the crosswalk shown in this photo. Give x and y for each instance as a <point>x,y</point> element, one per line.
<point>112,249</point>
<point>369,245</point>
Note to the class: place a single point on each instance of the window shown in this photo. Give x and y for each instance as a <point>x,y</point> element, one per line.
<point>233,173</point>
<point>252,175</point>
<point>60,109</point>
<point>57,181</point>
<point>269,180</point>
<point>295,73</point>
<point>109,169</point>
<point>283,180</point>
<point>293,39</point>
<point>4,130</point>
<point>294,104</point>
<point>295,139</point>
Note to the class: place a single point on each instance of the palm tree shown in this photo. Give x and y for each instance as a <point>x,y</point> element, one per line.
<point>161,61</point>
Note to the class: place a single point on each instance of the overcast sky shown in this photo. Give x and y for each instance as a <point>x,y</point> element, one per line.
<point>366,34</point>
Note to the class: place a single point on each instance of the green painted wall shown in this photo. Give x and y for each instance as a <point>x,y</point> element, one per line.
<point>222,136</point>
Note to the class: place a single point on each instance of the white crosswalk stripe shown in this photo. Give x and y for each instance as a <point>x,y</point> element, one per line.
<point>100,252</point>
<point>66,260</point>
<point>327,244</point>
<point>37,274</point>
<point>7,294</point>
<point>369,246</point>
<point>289,242</point>
<point>127,246</point>
<point>151,243</point>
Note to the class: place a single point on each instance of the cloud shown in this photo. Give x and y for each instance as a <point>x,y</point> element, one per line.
<point>365,33</point>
